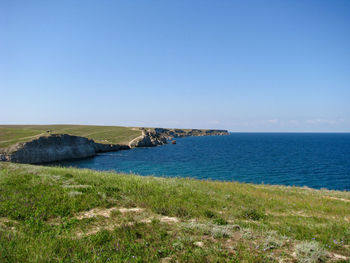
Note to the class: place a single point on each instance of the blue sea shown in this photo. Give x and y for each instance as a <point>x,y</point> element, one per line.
<point>317,160</point>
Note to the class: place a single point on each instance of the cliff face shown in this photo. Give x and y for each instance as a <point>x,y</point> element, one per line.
<point>51,148</point>
<point>58,147</point>
<point>100,147</point>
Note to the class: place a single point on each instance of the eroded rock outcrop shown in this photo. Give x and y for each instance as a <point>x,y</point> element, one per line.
<point>56,147</point>
<point>148,138</point>
<point>175,133</point>
<point>100,147</point>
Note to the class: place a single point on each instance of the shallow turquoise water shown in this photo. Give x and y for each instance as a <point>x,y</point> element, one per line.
<point>303,159</point>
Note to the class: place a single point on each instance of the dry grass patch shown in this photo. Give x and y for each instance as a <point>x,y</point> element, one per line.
<point>110,218</point>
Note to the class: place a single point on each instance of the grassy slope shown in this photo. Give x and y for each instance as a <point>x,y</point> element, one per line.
<point>11,134</point>
<point>41,220</point>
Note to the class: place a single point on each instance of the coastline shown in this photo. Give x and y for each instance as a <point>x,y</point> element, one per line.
<point>53,147</point>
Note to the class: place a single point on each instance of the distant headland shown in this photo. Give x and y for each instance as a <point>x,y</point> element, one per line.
<point>49,143</point>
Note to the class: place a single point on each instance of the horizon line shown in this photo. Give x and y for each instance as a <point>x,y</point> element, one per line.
<point>230,131</point>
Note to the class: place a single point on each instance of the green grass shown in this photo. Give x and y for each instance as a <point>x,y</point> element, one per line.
<point>44,217</point>
<point>12,134</point>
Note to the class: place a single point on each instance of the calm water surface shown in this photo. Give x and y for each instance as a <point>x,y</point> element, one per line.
<point>303,159</point>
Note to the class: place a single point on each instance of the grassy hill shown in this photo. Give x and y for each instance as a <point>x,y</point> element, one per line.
<point>12,134</point>
<point>51,214</point>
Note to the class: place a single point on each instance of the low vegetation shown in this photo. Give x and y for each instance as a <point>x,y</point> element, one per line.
<point>52,214</point>
<point>12,134</point>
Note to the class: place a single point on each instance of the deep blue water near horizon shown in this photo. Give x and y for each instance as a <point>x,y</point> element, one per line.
<point>317,160</point>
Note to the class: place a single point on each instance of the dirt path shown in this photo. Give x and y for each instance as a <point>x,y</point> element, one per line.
<point>337,198</point>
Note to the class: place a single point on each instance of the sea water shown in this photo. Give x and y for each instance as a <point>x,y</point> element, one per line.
<point>317,160</point>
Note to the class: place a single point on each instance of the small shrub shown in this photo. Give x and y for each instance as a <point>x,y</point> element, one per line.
<point>273,240</point>
<point>310,252</point>
<point>220,231</point>
<point>68,175</point>
<point>253,214</point>
<point>178,245</point>
<point>209,214</point>
<point>247,234</point>
<point>162,210</point>
<point>181,212</point>
<point>220,221</point>
<point>217,231</point>
<point>205,229</point>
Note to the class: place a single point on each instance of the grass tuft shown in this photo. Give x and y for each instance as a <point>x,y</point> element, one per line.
<point>253,214</point>
<point>310,252</point>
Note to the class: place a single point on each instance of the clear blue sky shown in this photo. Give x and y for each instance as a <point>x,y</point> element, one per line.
<point>238,65</point>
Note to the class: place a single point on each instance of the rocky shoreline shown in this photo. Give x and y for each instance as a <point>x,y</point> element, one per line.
<point>59,147</point>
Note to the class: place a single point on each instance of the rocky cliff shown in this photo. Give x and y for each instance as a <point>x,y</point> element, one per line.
<point>58,147</point>
<point>148,138</point>
<point>159,136</point>
<point>175,133</point>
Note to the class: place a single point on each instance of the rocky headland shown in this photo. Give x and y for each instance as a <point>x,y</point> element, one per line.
<point>58,147</point>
